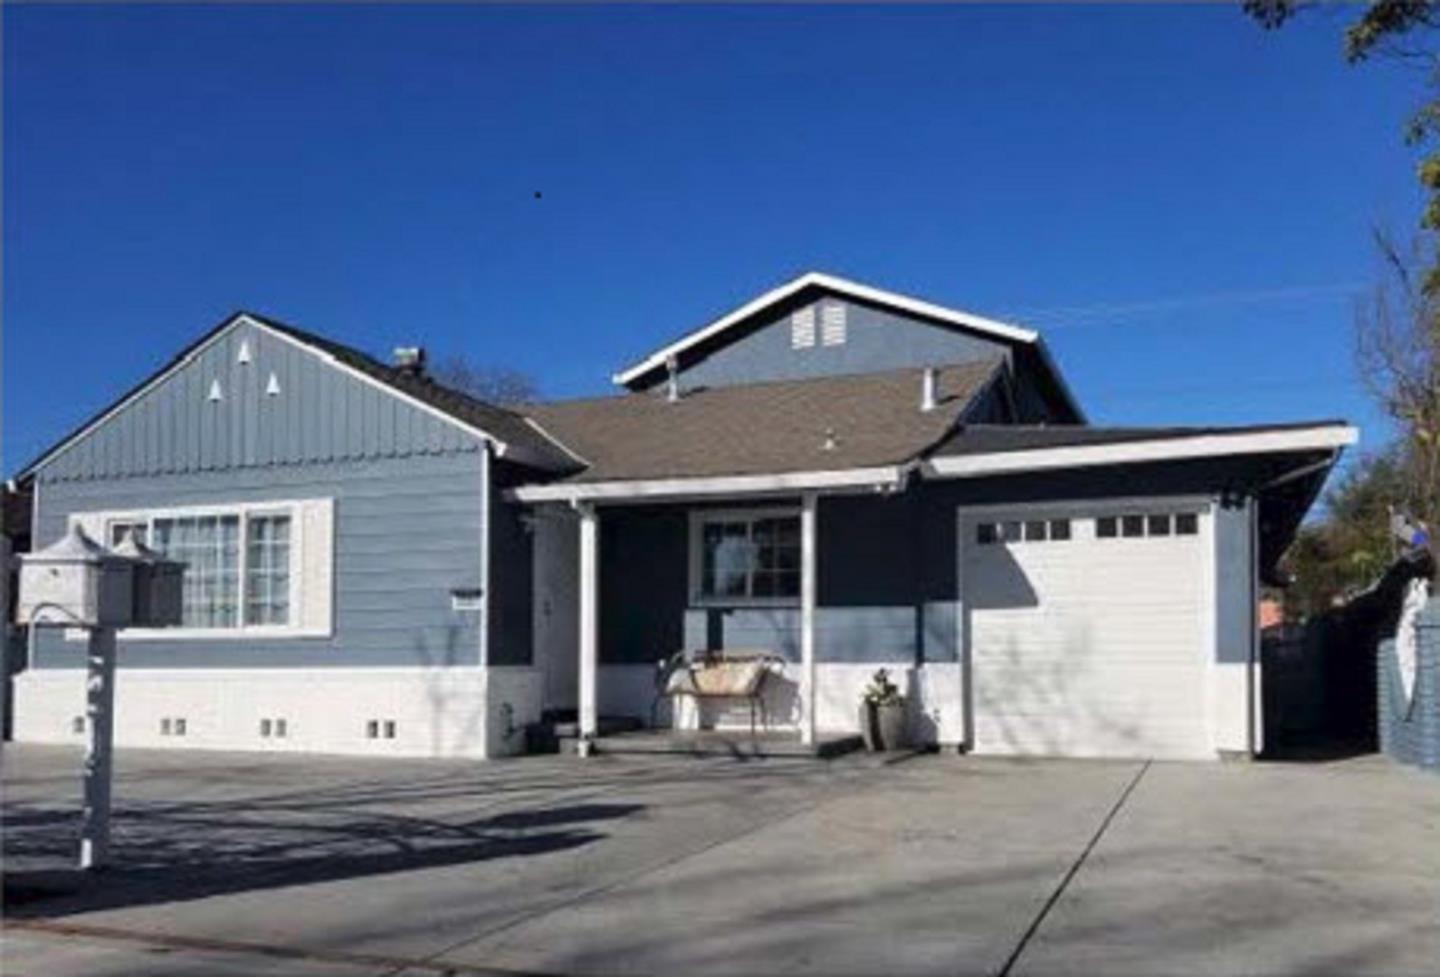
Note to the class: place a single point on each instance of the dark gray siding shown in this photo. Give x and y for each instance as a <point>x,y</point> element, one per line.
<point>887,566</point>
<point>876,339</point>
<point>511,570</point>
<point>320,414</point>
<point>406,533</point>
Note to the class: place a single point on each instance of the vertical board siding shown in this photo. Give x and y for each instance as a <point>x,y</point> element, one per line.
<point>876,339</point>
<point>407,531</point>
<point>321,414</point>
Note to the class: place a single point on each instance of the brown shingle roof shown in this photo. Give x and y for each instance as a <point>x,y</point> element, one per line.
<point>763,428</point>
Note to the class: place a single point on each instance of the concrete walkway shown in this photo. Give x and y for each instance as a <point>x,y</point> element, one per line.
<point>263,864</point>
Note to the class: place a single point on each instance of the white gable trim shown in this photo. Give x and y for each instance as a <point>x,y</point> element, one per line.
<point>841,286</point>
<point>501,448</point>
<point>1323,437</point>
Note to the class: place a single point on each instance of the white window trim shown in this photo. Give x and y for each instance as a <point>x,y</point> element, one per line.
<point>698,518</point>
<point>294,508</point>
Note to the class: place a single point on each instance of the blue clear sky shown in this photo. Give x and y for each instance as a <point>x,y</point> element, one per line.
<point>1182,202</point>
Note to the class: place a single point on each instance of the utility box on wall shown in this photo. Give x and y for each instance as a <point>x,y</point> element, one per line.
<point>75,582</point>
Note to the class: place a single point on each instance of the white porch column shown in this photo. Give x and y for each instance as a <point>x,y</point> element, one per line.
<point>807,617</point>
<point>589,624</point>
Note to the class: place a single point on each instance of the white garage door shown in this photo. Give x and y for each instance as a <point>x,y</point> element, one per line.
<point>1085,631</point>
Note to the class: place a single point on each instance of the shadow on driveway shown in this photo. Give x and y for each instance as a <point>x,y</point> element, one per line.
<point>173,852</point>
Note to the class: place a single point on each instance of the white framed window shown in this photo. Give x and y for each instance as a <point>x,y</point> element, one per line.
<point>745,556</point>
<point>802,328</point>
<point>252,570</point>
<point>832,324</point>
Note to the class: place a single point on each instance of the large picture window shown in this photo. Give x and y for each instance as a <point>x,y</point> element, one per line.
<point>746,557</point>
<point>246,571</point>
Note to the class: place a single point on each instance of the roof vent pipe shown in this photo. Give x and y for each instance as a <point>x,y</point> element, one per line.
<point>410,359</point>
<point>672,383</point>
<point>927,389</point>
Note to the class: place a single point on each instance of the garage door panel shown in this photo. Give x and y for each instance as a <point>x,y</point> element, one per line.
<point>1087,646</point>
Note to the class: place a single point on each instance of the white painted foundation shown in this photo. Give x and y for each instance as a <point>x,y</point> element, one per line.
<point>451,712</point>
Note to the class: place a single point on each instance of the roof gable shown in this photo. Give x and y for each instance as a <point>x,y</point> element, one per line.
<point>714,338</point>
<point>256,391</point>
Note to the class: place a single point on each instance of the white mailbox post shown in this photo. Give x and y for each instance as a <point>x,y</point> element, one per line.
<point>77,583</point>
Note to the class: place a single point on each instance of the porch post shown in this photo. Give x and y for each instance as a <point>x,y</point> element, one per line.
<point>807,617</point>
<point>589,623</point>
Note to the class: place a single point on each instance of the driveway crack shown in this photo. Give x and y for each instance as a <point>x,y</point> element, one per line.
<point>1039,919</point>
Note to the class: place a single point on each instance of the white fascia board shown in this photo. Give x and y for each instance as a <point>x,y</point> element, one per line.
<point>1328,437</point>
<point>889,476</point>
<point>840,286</point>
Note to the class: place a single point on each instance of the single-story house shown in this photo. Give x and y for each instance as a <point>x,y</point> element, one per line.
<point>842,476</point>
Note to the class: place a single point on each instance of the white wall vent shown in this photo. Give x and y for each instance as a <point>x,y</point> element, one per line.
<point>215,394</point>
<point>832,324</point>
<point>244,354</point>
<point>802,328</point>
<point>272,386</point>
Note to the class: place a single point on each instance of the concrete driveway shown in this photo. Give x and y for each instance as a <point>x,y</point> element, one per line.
<point>264,864</point>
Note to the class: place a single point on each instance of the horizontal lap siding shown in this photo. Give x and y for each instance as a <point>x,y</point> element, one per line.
<point>407,531</point>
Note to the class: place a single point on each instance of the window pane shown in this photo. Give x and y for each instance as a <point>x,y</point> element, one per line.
<point>727,558</point>
<point>985,533</point>
<point>1035,531</point>
<point>750,558</point>
<point>1186,524</point>
<point>1105,527</point>
<point>1060,529</point>
<point>1158,526</point>
<point>1011,531</point>
<point>118,531</point>
<point>1132,525</point>
<point>209,546</point>
<point>267,570</point>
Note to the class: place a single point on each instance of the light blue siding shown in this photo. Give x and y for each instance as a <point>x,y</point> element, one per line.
<point>406,533</point>
<point>876,339</point>
<point>321,414</point>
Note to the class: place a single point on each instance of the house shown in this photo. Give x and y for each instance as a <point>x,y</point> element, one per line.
<point>843,476</point>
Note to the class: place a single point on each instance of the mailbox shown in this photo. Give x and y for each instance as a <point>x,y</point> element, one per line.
<point>156,586</point>
<point>75,582</point>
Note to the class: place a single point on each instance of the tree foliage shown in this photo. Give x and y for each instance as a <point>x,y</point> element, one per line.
<point>1399,29</point>
<point>1341,555</point>
<point>494,385</point>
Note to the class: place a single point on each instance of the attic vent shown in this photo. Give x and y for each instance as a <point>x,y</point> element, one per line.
<point>832,324</point>
<point>802,328</point>
<point>244,355</point>
<point>214,395</point>
<point>272,387</point>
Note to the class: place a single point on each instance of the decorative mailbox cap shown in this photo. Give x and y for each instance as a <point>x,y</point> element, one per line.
<point>73,547</point>
<point>132,549</point>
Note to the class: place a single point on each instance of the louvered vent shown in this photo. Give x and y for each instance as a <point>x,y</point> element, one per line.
<point>802,328</point>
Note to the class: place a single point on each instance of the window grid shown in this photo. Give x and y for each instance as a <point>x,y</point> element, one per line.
<point>745,557</point>
<point>238,564</point>
<point>802,328</point>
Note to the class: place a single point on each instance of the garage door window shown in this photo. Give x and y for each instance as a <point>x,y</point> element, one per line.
<point>1135,526</point>
<point>1028,531</point>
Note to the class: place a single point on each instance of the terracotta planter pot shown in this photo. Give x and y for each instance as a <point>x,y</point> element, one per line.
<point>883,727</point>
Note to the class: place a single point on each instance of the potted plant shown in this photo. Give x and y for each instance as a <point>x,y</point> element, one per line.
<point>882,714</point>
